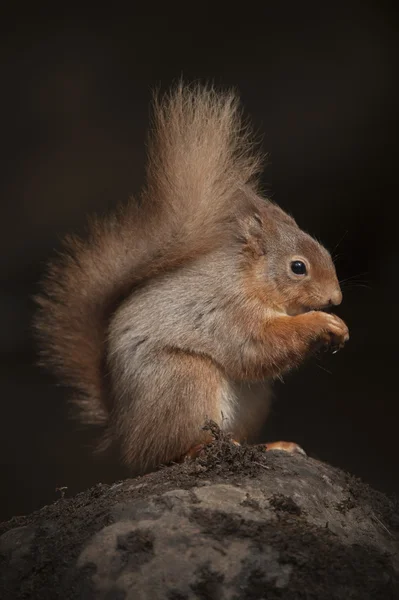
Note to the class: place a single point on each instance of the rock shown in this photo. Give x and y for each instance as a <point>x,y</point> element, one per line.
<point>237,523</point>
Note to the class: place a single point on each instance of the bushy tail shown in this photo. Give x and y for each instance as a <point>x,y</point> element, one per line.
<point>199,156</point>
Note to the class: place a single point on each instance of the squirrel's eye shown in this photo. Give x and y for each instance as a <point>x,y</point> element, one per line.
<point>298,267</point>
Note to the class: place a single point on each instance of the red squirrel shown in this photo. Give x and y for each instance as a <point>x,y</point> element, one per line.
<point>182,306</point>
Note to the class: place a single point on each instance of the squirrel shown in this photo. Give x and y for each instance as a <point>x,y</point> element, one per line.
<point>183,306</point>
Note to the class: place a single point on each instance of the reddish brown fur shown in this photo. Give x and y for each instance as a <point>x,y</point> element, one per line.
<point>186,299</point>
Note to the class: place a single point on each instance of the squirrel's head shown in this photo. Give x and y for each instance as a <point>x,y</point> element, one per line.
<point>292,270</point>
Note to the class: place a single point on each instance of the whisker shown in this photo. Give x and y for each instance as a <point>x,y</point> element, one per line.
<point>339,241</point>
<point>355,284</point>
<point>323,368</point>
<point>354,276</point>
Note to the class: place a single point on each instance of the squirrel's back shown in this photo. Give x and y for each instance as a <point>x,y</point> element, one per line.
<point>199,156</point>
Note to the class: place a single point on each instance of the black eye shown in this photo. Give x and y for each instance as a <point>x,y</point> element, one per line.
<point>298,267</point>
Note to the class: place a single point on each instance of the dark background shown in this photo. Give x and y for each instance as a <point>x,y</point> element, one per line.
<point>321,87</point>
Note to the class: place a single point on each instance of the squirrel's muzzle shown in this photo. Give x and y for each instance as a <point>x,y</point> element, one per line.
<point>335,297</point>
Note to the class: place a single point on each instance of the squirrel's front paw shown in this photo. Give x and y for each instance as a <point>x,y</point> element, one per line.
<point>332,332</point>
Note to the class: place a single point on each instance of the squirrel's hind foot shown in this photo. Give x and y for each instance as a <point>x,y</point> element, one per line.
<point>290,447</point>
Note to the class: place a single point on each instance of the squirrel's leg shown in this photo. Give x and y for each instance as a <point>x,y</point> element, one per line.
<point>253,406</point>
<point>280,343</point>
<point>173,394</point>
<point>287,341</point>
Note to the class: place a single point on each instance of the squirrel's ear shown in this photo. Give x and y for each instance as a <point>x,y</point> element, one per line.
<point>252,234</point>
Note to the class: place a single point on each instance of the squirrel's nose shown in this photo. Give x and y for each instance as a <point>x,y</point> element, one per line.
<point>336,297</point>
